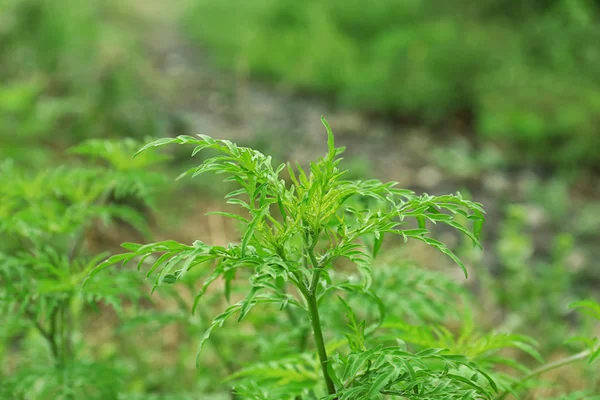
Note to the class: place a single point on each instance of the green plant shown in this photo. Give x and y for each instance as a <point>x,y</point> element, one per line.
<point>295,239</point>
<point>71,71</point>
<point>45,219</point>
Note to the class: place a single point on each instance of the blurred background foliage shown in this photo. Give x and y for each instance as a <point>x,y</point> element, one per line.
<point>70,70</point>
<point>496,98</point>
<point>525,74</point>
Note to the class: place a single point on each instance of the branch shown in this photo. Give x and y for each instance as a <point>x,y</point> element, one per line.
<point>48,335</point>
<point>316,270</point>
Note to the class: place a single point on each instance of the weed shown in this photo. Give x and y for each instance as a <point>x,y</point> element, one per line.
<point>296,237</point>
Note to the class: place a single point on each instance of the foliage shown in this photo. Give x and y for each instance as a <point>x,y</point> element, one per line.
<point>312,244</point>
<point>70,70</point>
<point>296,236</point>
<point>592,309</point>
<point>44,220</point>
<point>533,86</point>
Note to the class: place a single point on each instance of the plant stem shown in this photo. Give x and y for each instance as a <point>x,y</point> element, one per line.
<point>316,270</point>
<point>310,294</point>
<point>48,335</point>
<point>320,343</point>
<point>548,367</point>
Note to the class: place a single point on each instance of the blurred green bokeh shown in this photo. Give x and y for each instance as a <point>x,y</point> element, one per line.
<point>70,70</point>
<point>526,72</point>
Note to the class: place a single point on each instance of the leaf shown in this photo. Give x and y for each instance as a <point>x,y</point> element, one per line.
<point>529,350</point>
<point>366,273</point>
<point>133,247</point>
<point>229,215</point>
<point>380,383</point>
<point>477,227</point>
<point>247,302</point>
<point>251,226</point>
<point>468,382</point>
<point>208,139</point>
<point>330,139</point>
<point>248,235</point>
<point>108,262</point>
<point>430,352</point>
<point>588,307</point>
<point>221,318</point>
<point>236,193</point>
<point>158,262</point>
<point>468,233</point>
<point>199,148</point>
<point>356,361</point>
<point>156,143</point>
<point>489,379</point>
<point>213,277</point>
<point>442,247</point>
<point>594,355</point>
<point>218,321</point>
<point>377,244</point>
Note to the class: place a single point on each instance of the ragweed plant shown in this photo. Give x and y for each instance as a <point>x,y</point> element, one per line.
<point>45,220</point>
<point>299,236</point>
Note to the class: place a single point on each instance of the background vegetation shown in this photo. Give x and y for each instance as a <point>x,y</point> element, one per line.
<point>526,74</point>
<point>496,99</point>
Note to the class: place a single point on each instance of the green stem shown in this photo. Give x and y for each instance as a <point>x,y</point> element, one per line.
<point>545,368</point>
<point>316,276</point>
<point>310,295</point>
<point>48,335</point>
<point>319,341</point>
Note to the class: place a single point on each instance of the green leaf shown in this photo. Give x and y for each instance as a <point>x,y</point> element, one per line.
<point>156,143</point>
<point>218,321</point>
<point>594,355</point>
<point>213,277</point>
<point>355,363</point>
<point>208,139</point>
<point>588,307</point>
<point>377,244</point>
<point>247,302</point>
<point>125,257</point>
<point>229,215</point>
<point>379,383</point>
<point>438,245</point>
<point>330,139</point>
